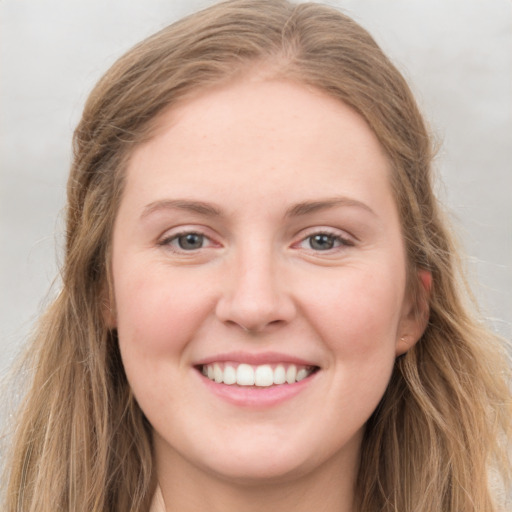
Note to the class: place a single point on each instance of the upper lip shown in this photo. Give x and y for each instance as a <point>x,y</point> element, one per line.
<point>254,359</point>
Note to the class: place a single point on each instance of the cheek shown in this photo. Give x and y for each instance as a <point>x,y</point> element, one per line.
<point>153,312</point>
<point>359,311</point>
<point>356,313</point>
<point>155,322</point>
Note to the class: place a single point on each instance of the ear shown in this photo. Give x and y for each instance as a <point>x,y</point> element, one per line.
<point>415,313</point>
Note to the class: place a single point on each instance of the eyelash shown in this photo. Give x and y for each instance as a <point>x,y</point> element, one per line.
<point>168,241</point>
<point>338,241</point>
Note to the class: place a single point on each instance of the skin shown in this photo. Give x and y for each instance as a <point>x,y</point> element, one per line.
<point>253,150</point>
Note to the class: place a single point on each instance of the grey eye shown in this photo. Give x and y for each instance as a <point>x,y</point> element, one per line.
<point>190,241</point>
<point>323,241</point>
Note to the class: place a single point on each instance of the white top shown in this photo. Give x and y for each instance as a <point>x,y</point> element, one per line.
<point>157,505</point>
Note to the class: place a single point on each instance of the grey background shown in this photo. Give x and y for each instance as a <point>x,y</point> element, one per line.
<point>455,53</point>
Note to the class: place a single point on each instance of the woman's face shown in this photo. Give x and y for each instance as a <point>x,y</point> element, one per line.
<point>258,242</point>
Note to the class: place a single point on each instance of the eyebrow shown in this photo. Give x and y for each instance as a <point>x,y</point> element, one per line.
<point>210,210</point>
<point>200,207</point>
<point>307,207</point>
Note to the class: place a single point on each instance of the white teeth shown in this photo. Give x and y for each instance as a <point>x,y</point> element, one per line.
<point>245,375</point>
<point>279,374</point>
<point>291,373</point>
<point>229,374</point>
<point>218,374</point>
<point>301,374</point>
<point>264,375</point>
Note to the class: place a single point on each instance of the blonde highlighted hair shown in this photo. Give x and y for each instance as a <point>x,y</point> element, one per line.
<point>441,434</point>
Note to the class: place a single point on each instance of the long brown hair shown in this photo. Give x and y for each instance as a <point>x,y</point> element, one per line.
<point>441,435</point>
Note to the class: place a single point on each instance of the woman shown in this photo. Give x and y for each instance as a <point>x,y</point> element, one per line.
<point>261,304</point>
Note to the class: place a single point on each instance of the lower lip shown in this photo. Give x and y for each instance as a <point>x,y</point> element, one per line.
<point>254,396</point>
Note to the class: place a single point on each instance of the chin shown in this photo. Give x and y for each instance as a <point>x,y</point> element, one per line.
<point>240,460</point>
<point>263,469</point>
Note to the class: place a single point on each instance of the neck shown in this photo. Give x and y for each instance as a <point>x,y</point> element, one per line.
<point>327,488</point>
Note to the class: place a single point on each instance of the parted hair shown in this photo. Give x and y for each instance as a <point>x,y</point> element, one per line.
<point>440,438</point>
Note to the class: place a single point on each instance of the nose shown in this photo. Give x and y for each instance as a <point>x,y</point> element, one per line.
<point>255,296</point>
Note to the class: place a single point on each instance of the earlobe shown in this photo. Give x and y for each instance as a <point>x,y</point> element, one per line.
<point>415,316</point>
<point>403,345</point>
<point>425,277</point>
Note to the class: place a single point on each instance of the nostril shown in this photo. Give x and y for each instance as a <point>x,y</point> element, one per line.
<point>256,328</point>
<point>255,301</point>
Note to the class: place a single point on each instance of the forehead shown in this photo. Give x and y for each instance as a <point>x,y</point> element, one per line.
<point>268,132</point>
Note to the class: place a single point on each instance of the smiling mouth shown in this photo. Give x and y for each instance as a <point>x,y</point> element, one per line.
<point>265,375</point>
